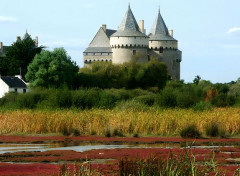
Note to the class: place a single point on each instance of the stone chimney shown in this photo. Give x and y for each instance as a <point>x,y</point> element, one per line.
<point>1,46</point>
<point>18,76</point>
<point>18,38</point>
<point>170,31</point>
<point>104,27</point>
<point>141,26</point>
<point>36,41</point>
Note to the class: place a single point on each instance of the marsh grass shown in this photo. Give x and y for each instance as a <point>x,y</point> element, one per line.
<point>183,164</point>
<point>77,170</point>
<point>153,121</point>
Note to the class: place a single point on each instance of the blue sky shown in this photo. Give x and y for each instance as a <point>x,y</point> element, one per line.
<point>208,31</point>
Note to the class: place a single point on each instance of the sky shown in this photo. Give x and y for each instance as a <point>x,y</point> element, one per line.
<point>208,31</point>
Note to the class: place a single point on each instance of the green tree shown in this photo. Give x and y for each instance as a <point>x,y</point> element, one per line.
<point>18,56</point>
<point>197,79</point>
<point>152,73</point>
<point>52,69</point>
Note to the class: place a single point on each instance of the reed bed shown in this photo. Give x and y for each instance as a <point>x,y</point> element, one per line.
<point>153,121</point>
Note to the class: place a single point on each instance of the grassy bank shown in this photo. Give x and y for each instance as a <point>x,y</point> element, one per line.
<point>152,121</point>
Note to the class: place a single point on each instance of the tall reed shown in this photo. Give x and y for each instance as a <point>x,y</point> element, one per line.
<point>152,121</point>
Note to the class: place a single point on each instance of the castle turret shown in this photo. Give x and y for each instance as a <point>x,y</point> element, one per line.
<point>129,41</point>
<point>164,47</point>
<point>26,35</point>
<point>159,35</point>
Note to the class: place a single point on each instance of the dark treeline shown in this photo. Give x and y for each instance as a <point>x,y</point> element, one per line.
<point>55,69</point>
<point>128,75</point>
<point>200,96</point>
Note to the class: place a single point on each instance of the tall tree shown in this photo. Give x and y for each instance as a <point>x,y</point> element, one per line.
<point>52,69</point>
<point>152,73</point>
<point>18,56</point>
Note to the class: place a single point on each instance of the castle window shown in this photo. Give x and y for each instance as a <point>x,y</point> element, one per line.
<point>161,50</point>
<point>24,90</point>
<point>15,90</point>
<point>134,52</point>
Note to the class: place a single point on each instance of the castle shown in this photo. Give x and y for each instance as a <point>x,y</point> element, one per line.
<point>3,48</point>
<point>119,46</point>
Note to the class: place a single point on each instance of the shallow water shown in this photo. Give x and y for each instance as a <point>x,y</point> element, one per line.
<point>11,148</point>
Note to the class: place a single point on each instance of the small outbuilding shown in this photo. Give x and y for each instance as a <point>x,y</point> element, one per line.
<point>12,84</point>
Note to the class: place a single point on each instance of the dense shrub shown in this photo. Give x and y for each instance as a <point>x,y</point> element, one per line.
<point>78,99</point>
<point>9,98</point>
<point>166,98</point>
<point>223,100</point>
<point>118,133</point>
<point>202,106</point>
<point>64,98</point>
<point>121,94</point>
<point>131,105</point>
<point>145,99</point>
<point>29,100</point>
<point>185,100</point>
<point>108,133</point>
<point>212,129</point>
<point>187,96</point>
<point>175,94</point>
<point>128,75</point>
<point>107,100</point>
<point>190,131</point>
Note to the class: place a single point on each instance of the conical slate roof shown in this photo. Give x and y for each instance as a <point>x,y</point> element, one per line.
<point>129,26</point>
<point>159,30</point>
<point>26,35</point>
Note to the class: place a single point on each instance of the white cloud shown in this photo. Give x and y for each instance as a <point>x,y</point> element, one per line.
<point>7,19</point>
<point>232,30</point>
<point>88,6</point>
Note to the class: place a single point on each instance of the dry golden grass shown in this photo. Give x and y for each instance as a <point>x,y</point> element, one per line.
<point>150,122</point>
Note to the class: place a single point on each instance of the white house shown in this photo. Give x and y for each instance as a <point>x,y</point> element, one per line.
<point>12,84</point>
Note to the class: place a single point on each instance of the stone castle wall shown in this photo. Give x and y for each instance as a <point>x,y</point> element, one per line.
<point>164,44</point>
<point>129,42</point>
<point>122,55</point>
<point>88,59</point>
<point>172,59</point>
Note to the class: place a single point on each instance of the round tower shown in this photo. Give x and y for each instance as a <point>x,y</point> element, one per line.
<point>129,42</point>
<point>164,47</point>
